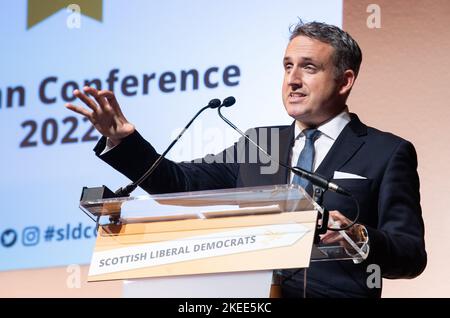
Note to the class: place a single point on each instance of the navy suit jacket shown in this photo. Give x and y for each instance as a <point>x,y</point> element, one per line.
<point>389,198</point>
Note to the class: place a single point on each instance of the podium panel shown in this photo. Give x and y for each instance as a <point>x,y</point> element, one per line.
<point>199,246</point>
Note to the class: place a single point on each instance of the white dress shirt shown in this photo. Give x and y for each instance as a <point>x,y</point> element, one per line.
<point>108,146</point>
<point>330,130</point>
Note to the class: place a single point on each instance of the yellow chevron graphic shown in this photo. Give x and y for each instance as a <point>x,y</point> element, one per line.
<point>39,10</point>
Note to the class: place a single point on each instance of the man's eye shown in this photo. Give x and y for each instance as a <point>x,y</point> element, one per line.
<point>309,67</point>
<point>287,66</point>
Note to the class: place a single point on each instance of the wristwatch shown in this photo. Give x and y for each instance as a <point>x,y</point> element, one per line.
<point>363,234</point>
<point>363,246</point>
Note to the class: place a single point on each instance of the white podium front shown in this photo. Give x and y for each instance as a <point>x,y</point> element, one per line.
<point>253,284</point>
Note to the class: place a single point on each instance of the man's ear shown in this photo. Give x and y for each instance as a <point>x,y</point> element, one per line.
<point>347,81</point>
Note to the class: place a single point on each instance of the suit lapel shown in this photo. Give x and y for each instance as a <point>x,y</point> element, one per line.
<point>285,138</point>
<point>286,142</point>
<point>344,148</point>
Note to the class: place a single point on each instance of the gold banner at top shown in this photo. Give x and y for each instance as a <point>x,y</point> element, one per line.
<point>39,10</point>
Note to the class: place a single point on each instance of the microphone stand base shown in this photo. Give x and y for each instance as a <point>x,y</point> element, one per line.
<point>97,193</point>
<point>322,226</point>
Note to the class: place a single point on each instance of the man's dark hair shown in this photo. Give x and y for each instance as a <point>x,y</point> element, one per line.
<point>347,54</point>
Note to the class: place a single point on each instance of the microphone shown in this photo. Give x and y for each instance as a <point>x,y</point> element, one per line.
<point>229,101</point>
<point>315,179</point>
<point>104,192</point>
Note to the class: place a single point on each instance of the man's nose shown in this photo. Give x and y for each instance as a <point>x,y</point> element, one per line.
<point>295,78</point>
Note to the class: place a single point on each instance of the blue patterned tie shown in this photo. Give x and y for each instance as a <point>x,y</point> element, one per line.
<point>306,158</point>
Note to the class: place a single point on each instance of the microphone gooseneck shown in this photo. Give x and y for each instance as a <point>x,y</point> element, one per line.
<point>314,178</point>
<point>126,191</point>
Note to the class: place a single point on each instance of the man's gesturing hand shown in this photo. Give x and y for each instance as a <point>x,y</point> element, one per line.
<point>106,115</point>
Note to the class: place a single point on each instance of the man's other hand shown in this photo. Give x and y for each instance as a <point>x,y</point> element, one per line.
<point>357,232</point>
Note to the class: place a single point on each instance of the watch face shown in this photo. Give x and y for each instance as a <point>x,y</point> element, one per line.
<point>363,236</point>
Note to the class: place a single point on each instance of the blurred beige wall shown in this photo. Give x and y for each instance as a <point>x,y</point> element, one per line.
<point>402,88</point>
<point>55,282</point>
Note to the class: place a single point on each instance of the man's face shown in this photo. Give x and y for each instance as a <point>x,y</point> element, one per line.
<point>310,91</point>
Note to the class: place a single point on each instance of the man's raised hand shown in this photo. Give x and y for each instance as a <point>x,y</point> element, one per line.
<point>104,114</point>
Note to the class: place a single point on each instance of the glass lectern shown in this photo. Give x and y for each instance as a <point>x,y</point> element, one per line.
<point>167,241</point>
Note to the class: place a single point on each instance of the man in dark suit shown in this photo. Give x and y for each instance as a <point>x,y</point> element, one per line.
<point>321,64</point>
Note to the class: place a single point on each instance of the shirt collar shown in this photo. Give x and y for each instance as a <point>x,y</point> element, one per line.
<point>331,128</point>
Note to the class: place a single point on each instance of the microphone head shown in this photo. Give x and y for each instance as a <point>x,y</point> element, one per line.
<point>229,101</point>
<point>214,103</point>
